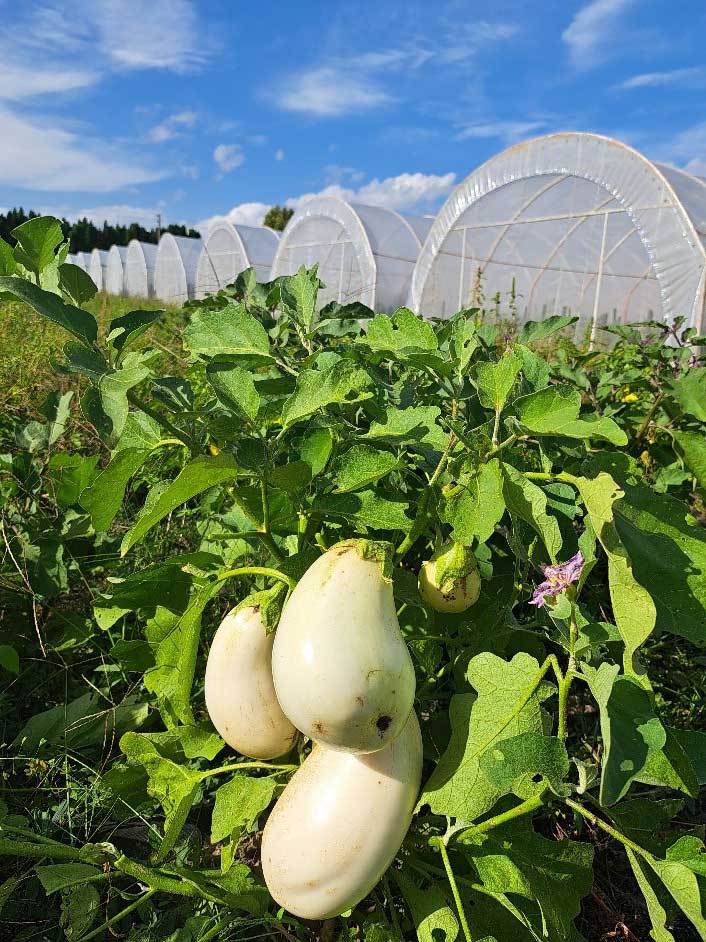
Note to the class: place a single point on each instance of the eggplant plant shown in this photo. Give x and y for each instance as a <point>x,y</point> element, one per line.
<point>455,451</point>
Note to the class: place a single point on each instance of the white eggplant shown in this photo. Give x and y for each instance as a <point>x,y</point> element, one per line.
<point>450,581</point>
<point>341,668</point>
<point>339,823</point>
<point>240,695</point>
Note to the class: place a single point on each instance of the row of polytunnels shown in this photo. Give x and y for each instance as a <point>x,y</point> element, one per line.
<point>567,223</point>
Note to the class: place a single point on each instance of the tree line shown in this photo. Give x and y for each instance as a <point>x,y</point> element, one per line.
<point>84,235</point>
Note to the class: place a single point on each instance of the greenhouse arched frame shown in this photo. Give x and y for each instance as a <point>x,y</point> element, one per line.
<point>115,270</point>
<point>175,268</point>
<point>569,223</point>
<point>139,269</point>
<point>230,248</point>
<point>97,267</point>
<point>364,253</point>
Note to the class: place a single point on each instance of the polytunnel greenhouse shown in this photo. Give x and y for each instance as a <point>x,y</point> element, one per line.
<point>175,268</point>
<point>569,223</point>
<point>83,260</point>
<point>139,269</point>
<point>228,250</point>
<point>115,270</point>
<point>365,253</point>
<point>97,268</point>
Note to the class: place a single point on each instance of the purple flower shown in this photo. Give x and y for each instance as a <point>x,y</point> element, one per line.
<point>557,579</point>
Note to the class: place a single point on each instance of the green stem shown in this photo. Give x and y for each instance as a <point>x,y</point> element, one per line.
<point>190,443</point>
<point>239,766</point>
<point>393,911</point>
<point>648,418</point>
<point>454,890</point>
<point>118,916</point>
<point>157,880</point>
<point>257,571</point>
<point>263,533</point>
<point>528,806</point>
<point>212,933</point>
<point>608,828</point>
<point>510,440</point>
<point>496,428</point>
<point>10,848</point>
<point>30,835</point>
<point>422,517</point>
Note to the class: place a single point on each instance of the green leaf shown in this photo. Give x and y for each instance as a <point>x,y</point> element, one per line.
<point>37,241</point>
<point>657,912</point>
<point>298,295</point>
<point>690,391</point>
<point>70,474</point>
<point>402,334</point>
<point>175,641</point>
<point>9,659</point>
<point>76,284</point>
<point>478,505</point>
<point>344,382</point>
<point>8,265</point>
<point>526,500</point>
<point>234,388</point>
<point>630,729</point>
<point>57,409</point>
<point>526,764</point>
<point>405,427</point>
<point>174,786</point>
<point>238,805</point>
<point>293,477</point>
<point>680,873</point>
<point>61,876</point>
<point>79,908</point>
<point>80,323</point>
<point>230,331</point>
<point>133,654</point>
<point>463,341</point>
<point>127,328</point>
<point>105,403</point>
<point>198,476</point>
<point>555,411</point>
<point>367,508</point>
<point>495,381</point>
<point>668,555</point>
<point>634,610</point>
<point>535,370</point>
<point>693,445</point>
<point>316,448</point>
<point>546,879</point>
<point>673,766</point>
<point>509,700</point>
<point>433,917</point>
<point>104,495</point>
<point>81,723</point>
<point>360,466</point>
<point>537,330</point>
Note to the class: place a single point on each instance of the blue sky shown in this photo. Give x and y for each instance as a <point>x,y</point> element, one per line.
<point>123,108</point>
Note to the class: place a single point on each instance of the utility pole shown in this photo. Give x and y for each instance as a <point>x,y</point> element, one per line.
<point>159,226</point>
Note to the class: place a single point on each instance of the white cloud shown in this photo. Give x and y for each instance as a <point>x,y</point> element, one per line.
<point>408,191</point>
<point>18,82</point>
<point>161,34</point>
<point>40,157</point>
<point>279,154</point>
<point>593,30</point>
<point>330,92</point>
<point>172,126</point>
<point>228,157</point>
<point>355,82</point>
<point>257,140</point>
<point>695,75</point>
<point>507,131</point>
<point>245,214</point>
<point>117,215</point>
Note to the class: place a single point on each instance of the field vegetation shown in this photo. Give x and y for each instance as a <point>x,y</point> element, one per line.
<point>159,467</point>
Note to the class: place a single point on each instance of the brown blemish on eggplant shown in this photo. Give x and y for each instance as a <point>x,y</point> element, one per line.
<point>360,701</point>
<point>383,723</point>
<point>319,728</point>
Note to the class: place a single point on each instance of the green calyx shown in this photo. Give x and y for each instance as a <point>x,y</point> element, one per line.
<point>378,551</point>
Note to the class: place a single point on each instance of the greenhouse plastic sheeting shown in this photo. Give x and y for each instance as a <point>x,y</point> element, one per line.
<point>364,253</point>
<point>228,250</point>
<point>569,223</point>
<point>115,269</point>
<point>97,267</point>
<point>83,260</point>
<point>175,268</point>
<point>139,269</point>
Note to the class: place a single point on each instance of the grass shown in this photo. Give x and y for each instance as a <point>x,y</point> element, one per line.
<point>30,343</point>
